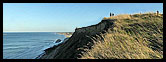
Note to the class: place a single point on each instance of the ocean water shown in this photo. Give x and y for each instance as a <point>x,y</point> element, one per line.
<point>28,45</point>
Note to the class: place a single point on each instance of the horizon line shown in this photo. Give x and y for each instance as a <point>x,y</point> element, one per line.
<point>34,31</point>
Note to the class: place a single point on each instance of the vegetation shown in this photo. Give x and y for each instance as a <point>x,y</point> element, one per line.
<point>137,36</point>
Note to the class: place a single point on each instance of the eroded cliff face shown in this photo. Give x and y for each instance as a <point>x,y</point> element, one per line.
<point>93,29</point>
<point>81,40</point>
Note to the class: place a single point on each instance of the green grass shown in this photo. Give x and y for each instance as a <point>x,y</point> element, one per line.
<point>137,36</point>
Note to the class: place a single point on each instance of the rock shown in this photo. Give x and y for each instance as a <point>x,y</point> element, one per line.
<point>65,40</point>
<point>57,41</point>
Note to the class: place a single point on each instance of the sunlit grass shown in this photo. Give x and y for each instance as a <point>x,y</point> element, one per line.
<point>137,36</point>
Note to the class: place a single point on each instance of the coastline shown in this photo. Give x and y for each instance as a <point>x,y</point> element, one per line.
<point>66,34</point>
<point>48,50</point>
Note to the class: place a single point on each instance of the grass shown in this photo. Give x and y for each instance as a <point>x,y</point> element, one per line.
<point>137,36</point>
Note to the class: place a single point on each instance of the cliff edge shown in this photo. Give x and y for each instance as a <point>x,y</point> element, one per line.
<point>137,36</point>
<point>79,41</point>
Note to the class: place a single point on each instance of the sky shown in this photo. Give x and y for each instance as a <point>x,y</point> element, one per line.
<point>65,17</point>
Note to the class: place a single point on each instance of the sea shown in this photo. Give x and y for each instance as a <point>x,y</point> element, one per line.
<point>28,45</point>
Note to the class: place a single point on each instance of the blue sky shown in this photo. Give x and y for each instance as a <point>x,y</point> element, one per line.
<point>65,17</point>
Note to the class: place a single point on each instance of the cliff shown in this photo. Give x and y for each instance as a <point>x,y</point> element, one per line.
<point>118,37</point>
<point>79,41</point>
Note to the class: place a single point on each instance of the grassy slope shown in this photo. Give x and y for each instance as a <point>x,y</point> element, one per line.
<point>137,36</point>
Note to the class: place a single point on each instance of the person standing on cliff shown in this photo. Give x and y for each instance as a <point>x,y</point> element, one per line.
<point>110,14</point>
<point>157,13</point>
<point>113,14</point>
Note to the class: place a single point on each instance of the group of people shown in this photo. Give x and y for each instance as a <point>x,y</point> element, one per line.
<point>111,14</point>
